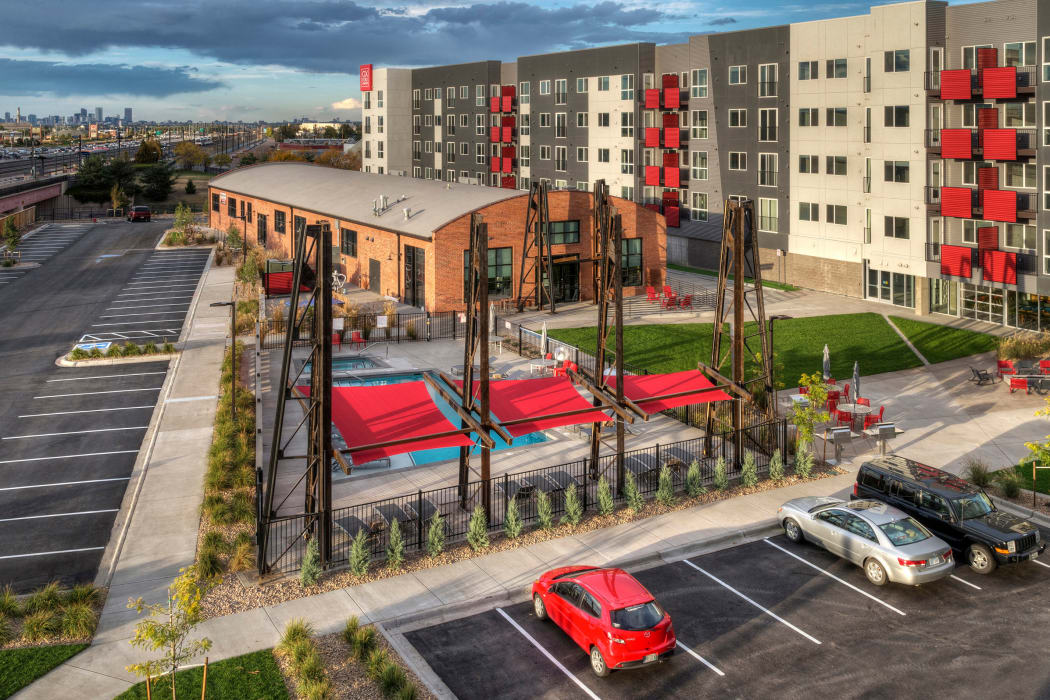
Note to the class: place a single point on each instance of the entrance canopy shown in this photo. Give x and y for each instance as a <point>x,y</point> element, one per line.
<point>528,405</point>
<point>367,415</point>
<point>658,392</point>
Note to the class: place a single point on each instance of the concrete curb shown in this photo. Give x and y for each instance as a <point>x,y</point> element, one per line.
<point>103,361</point>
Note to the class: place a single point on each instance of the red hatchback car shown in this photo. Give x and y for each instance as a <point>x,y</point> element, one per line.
<point>608,613</point>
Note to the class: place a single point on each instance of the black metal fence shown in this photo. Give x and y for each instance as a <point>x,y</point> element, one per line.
<point>374,327</point>
<point>414,511</point>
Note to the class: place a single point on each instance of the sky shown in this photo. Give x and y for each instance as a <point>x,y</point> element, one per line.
<point>282,59</point>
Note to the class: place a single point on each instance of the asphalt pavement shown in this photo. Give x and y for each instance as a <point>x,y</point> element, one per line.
<point>69,436</point>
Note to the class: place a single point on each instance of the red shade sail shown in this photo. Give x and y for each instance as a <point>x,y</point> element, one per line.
<point>366,415</point>
<point>515,399</point>
<point>639,388</point>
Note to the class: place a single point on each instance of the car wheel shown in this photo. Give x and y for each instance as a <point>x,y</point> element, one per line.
<point>538,607</point>
<point>875,573</point>
<point>792,530</point>
<point>598,665</point>
<point>981,559</point>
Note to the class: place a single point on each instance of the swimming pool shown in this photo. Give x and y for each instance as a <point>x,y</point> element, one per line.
<point>437,454</point>
<point>340,364</point>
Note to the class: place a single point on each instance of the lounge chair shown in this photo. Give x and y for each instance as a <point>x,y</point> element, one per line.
<point>981,376</point>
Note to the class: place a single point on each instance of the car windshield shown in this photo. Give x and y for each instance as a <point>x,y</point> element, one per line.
<point>975,505</point>
<point>905,531</point>
<point>637,617</point>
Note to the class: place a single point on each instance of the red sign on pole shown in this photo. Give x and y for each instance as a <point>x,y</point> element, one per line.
<point>366,77</point>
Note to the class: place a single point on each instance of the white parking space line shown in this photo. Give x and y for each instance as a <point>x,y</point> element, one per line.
<point>546,653</point>
<point>142,286</point>
<point>701,659</point>
<point>960,580</point>
<point>73,432</point>
<point>87,410</point>
<point>145,306</point>
<point>104,376</point>
<point>139,323</point>
<point>48,554</point>
<point>83,454</point>
<point>830,575</point>
<point>772,614</point>
<point>142,313</point>
<point>93,393</point>
<point>59,515</point>
<point>151,289</point>
<point>148,298</point>
<point>1041,563</point>
<point>65,483</point>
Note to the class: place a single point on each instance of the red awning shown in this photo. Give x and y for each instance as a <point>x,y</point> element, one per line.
<point>638,388</point>
<point>366,415</point>
<point>514,399</point>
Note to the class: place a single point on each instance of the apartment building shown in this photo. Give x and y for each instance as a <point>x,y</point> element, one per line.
<point>893,155</point>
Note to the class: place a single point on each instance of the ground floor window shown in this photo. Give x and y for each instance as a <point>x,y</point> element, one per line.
<point>892,287</point>
<point>500,270</point>
<point>944,297</point>
<point>982,303</point>
<point>1007,307</point>
<point>631,262</point>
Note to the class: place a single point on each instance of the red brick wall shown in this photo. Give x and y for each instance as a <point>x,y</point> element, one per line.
<point>444,259</point>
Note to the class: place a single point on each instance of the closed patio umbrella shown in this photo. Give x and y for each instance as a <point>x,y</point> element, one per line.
<point>856,380</point>
<point>827,363</point>
<point>543,339</point>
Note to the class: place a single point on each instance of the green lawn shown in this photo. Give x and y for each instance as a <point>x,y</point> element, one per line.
<point>254,676</point>
<point>1042,482</point>
<point>941,343</point>
<point>798,344</point>
<point>20,667</point>
<point>713,273</point>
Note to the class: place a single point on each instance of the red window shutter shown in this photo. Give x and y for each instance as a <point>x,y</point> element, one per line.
<point>1000,144</point>
<point>652,138</point>
<point>987,58</point>
<point>988,118</point>
<point>507,91</point>
<point>957,143</point>
<point>672,216</point>
<point>507,152</point>
<point>672,177</point>
<point>652,175</point>
<point>955,85</point>
<point>506,134</point>
<point>494,162</point>
<point>672,98</point>
<point>1000,82</point>
<point>670,120</point>
<point>957,201</point>
<point>988,238</point>
<point>652,99</point>
<point>999,205</point>
<point>508,103</point>
<point>493,104</point>
<point>507,183</point>
<point>669,80</point>
<point>955,261</point>
<point>507,164</point>
<point>672,137</point>
<point>670,198</point>
<point>494,134</point>
<point>987,178</point>
<point>671,159</point>
<point>654,207</point>
<point>999,266</point>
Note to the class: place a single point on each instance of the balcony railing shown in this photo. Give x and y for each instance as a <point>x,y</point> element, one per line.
<point>1026,263</point>
<point>1027,77</point>
<point>867,234</point>
<point>1027,140</point>
<point>768,223</point>
<point>1027,202</point>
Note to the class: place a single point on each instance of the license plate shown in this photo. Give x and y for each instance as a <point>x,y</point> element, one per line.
<point>649,658</point>
<point>933,561</point>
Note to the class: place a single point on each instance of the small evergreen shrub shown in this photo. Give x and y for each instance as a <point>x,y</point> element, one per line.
<point>573,506</point>
<point>512,524</point>
<point>477,530</point>
<point>436,535</point>
<point>395,549</point>
<point>776,467</point>
<point>665,487</point>
<point>694,480</point>
<point>748,471</point>
<point>606,504</point>
<point>359,555</point>
<point>721,479</point>
<point>803,461</point>
<point>311,566</point>
<point>631,494</point>
<point>544,510</point>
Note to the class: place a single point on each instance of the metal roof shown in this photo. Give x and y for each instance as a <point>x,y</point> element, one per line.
<point>348,195</point>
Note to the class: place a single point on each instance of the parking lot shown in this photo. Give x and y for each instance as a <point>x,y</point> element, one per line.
<point>775,619</point>
<point>69,436</point>
<point>44,244</point>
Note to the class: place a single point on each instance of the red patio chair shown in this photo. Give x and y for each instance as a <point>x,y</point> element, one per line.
<point>862,402</point>
<point>668,292</point>
<point>686,302</point>
<point>834,394</point>
<point>831,380</point>
<point>1044,366</point>
<point>803,390</point>
<point>845,392</point>
<point>548,356</point>
<point>563,370</point>
<point>357,340</point>
<point>669,302</point>
<point>1004,367</point>
<point>651,295</point>
<point>844,418</point>
<point>1019,383</point>
<point>337,340</point>
<point>831,406</point>
<point>870,420</point>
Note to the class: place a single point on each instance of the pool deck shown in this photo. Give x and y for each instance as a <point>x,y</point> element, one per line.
<point>364,486</point>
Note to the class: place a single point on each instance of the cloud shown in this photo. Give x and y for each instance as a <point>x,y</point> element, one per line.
<point>722,20</point>
<point>348,103</point>
<point>34,78</point>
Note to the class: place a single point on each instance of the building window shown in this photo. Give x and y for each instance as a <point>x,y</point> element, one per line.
<point>893,287</point>
<point>969,113</point>
<point>768,219</point>
<point>581,86</point>
<point>523,156</point>
<point>215,201</point>
<point>581,120</point>
<point>835,165</point>
<point>627,86</point>
<point>699,86</point>
<point>582,186</point>
<point>809,116</point>
<point>479,125</point>
<point>835,214</point>
<point>603,155</point>
<point>603,83</point>
<point>1019,53</point>
<point>808,164</point>
<point>561,91</point>
<point>836,116</point>
<point>298,225</point>
<point>808,211</point>
<point>807,70</point>
<point>1020,175</point>
<point>450,151</point>
<point>278,221</point>
<point>835,68</point>
<point>581,154</point>
<point>896,226</point>
<point>698,210</point>
<point>500,264</point>
<point>969,55</point>
<point>1019,236</point>
<point>1019,115</point>
<point>464,148</point>
<point>767,169</point>
<point>767,124</point>
<point>1046,251</point>
<point>559,125</point>
<point>970,168</point>
<point>479,154</point>
<point>1046,59</point>
<point>562,232</point>
<point>348,242</point>
<point>231,206</point>
<point>545,119</point>
<point>627,124</point>
<point>767,80</point>
<point>523,124</point>
<point>545,87</point>
<point>898,61</point>
<point>896,115</point>
<point>627,161</point>
<point>737,75</point>
<point>260,230</point>
<point>970,227</point>
<point>428,146</point>
<point>561,157</point>
<point>699,165</point>
<point>545,152</point>
<point>523,93</point>
<point>737,160</point>
<point>699,128</point>
<point>896,170</point>
<point>627,192</point>
<point>1046,188</point>
<point>603,119</point>
<point>631,262</point>
<point>415,99</point>
<point>737,118</point>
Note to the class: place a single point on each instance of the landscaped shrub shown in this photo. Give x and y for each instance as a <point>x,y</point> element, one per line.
<point>78,621</point>
<point>978,473</point>
<point>130,350</point>
<point>573,506</point>
<point>1008,482</point>
<point>149,348</point>
<point>38,626</point>
<point>512,524</point>
<point>803,461</point>
<point>96,353</point>
<point>748,471</point>
<point>215,540</point>
<point>721,479</point>
<point>298,651</point>
<point>78,354</point>
<point>7,632</point>
<point>544,510</point>
<point>1024,345</point>
<point>242,508</point>
<point>310,689</point>
<point>243,556</point>
<point>363,642</point>
<point>114,351</point>
<point>9,602</point>
<point>694,480</point>
<point>395,548</point>
<point>312,668</point>
<point>606,504</point>
<point>167,348</point>
<point>208,563</point>
<point>359,556</point>
<point>408,692</point>
<point>477,530</point>
<point>665,487</point>
<point>391,678</point>
<point>776,467</point>
<point>310,569</point>
<point>44,599</point>
<point>350,629</point>
<point>631,494</point>
<point>436,535</point>
<point>377,659</point>
<point>297,630</point>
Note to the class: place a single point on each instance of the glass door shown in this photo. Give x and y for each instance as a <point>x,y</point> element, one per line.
<point>936,123</point>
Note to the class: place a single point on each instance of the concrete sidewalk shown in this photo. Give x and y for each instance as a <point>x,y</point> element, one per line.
<point>442,592</point>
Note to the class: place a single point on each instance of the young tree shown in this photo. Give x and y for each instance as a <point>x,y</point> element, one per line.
<point>247,159</point>
<point>395,549</point>
<point>189,155</point>
<point>748,470</point>
<point>665,487</point>
<point>310,570</point>
<point>149,152</point>
<point>436,535</point>
<point>605,497</point>
<point>221,160</point>
<point>92,173</point>
<point>544,511</point>
<point>694,481</point>
<point>776,467</point>
<point>12,237</point>
<point>280,156</point>
<point>573,506</point>
<point>478,530</point>
<point>190,187</point>
<point>803,460</point>
<point>721,477</point>
<point>117,197</point>
<point>631,494</point>
<point>359,555</point>
<point>806,417</point>
<point>512,525</point>
<point>169,626</point>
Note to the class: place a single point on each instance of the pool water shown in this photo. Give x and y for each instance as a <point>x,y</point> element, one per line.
<point>437,454</point>
<point>340,364</point>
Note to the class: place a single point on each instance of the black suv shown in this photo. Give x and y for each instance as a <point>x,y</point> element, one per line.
<point>957,511</point>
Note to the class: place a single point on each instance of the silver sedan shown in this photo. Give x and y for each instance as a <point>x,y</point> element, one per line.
<point>884,541</point>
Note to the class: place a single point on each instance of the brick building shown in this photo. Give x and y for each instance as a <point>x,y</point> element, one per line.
<point>407,238</point>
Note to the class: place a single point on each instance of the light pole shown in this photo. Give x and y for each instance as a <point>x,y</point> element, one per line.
<point>233,355</point>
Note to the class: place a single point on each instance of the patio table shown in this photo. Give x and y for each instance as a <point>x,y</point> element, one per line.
<point>541,364</point>
<point>854,409</point>
<point>497,341</point>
